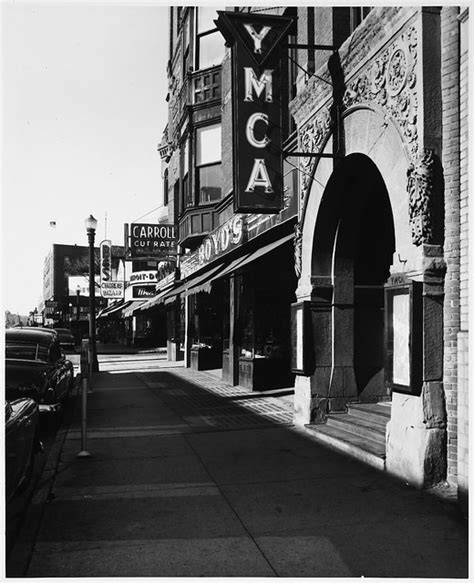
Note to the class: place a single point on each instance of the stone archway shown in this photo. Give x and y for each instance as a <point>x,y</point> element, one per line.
<point>353,247</point>
<point>354,211</point>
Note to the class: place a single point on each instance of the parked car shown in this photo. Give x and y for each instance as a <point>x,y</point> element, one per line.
<point>66,337</point>
<point>21,443</point>
<point>36,368</point>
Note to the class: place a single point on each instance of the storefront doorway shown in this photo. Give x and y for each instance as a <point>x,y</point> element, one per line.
<point>353,248</point>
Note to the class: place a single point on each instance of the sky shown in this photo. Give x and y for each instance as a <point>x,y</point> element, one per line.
<point>83,110</point>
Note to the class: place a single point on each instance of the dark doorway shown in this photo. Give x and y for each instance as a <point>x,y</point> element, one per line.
<point>354,244</point>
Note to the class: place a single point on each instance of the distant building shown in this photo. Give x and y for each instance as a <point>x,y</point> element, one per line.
<point>62,262</point>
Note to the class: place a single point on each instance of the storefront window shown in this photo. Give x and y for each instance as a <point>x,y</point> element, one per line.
<point>208,163</point>
<point>209,42</point>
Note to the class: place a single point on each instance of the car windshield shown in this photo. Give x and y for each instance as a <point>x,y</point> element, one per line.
<point>26,351</point>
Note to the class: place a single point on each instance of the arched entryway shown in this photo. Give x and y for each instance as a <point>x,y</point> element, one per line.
<point>353,247</point>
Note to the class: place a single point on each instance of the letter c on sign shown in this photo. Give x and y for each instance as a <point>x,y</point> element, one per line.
<point>250,131</point>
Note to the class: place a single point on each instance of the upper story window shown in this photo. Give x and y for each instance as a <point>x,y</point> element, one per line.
<point>209,41</point>
<point>186,44</point>
<point>208,163</point>
<point>186,190</point>
<point>357,15</point>
<point>165,188</point>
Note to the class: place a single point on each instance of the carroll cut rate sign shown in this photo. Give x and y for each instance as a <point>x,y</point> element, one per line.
<point>155,241</point>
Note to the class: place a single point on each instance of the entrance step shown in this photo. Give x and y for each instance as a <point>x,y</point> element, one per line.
<point>360,432</point>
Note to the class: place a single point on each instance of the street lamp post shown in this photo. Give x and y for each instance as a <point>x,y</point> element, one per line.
<point>78,301</point>
<point>91,225</point>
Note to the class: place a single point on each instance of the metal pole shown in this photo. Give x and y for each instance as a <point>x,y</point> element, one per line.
<point>85,387</point>
<point>94,365</point>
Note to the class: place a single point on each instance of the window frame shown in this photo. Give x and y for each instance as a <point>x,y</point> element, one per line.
<point>199,36</point>
<point>216,123</point>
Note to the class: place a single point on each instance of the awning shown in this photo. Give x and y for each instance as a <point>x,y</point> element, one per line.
<point>204,281</point>
<point>113,309</point>
<point>193,285</point>
<point>132,307</point>
<point>155,300</point>
<point>249,257</point>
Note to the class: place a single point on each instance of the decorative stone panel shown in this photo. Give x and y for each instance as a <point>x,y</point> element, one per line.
<point>389,83</point>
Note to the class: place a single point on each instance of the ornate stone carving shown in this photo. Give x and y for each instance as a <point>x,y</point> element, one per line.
<point>312,139</point>
<point>298,243</point>
<point>388,82</point>
<point>420,190</point>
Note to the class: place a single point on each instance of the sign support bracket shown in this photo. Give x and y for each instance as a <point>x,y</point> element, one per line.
<point>288,154</point>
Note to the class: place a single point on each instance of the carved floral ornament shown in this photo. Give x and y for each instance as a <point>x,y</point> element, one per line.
<point>388,82</point>
<point>421,198</point>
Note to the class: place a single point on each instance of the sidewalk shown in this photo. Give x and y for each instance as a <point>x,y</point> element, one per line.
<point>192,477</point>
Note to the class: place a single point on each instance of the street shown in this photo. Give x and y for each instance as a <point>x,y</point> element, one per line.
<point>189,476</point>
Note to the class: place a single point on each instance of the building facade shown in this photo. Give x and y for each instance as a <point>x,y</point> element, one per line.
<point>356,291</point>
<point>65,285</point>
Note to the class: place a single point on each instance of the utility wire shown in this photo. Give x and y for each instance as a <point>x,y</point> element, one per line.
<point>149,212</point>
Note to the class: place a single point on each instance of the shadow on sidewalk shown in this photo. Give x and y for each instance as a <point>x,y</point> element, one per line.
<point>310,511</point>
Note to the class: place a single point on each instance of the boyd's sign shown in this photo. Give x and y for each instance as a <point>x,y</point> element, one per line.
<point>258,160</point>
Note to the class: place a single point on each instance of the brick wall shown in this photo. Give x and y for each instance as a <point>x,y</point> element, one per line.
<point>463,337</point>
<point>450,161</point>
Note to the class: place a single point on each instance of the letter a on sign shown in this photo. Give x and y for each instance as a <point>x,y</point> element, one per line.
<point>257,151</point>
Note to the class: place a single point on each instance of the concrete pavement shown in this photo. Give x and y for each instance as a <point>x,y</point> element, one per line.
<point>191,477</point>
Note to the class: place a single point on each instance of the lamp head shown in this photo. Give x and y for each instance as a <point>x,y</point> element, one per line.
<point>91,223</point>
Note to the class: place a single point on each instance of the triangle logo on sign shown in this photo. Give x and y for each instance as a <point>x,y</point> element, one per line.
<point>260,34</point>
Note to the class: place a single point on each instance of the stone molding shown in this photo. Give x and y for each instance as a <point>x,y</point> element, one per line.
<point>389,84</point>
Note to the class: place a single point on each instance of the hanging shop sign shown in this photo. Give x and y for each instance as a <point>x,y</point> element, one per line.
<point>108,287</point>
<point>150,241</point>
<point>143,277</point>
<point>143,291</point>
<point>257,108</point>
<point>112,289</point>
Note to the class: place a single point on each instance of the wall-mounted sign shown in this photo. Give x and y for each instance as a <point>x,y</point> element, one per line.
<point>153,241</point>
<point>257,108</point>
<point>404,337</point>
<point>229,235</point>
<point>141,277</point>
<point>143,291</point>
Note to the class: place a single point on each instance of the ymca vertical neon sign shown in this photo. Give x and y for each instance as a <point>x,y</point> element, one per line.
<point>256,108</point>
